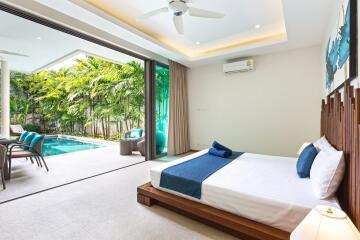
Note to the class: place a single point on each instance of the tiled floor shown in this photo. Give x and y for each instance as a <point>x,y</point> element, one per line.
<point>98,208</point>
<point>29,178</point>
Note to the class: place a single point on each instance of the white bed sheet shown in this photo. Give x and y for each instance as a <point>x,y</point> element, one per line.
<point>262,188</point>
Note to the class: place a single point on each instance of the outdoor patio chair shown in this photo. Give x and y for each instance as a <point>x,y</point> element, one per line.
<point>134,136</point>
<point>31,152</point>
<point>16,130</point>
<point>21,140</point>
<point>141,147</point>
<point>3,151</point>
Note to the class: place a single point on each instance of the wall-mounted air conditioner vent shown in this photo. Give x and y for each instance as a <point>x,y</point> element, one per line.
<point>239,66</point>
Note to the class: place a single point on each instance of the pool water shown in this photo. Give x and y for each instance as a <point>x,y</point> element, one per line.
<point>56,146</point>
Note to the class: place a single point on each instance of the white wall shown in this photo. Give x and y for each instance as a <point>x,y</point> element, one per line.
<point>272,110</point>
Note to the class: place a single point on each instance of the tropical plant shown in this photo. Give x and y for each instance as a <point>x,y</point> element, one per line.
<point>92,96</point>
<point>31,127</point>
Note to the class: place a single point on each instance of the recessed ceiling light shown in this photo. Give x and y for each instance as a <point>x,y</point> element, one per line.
<point>258,26</point>
<point>197,43</point>
<point>38,38</point>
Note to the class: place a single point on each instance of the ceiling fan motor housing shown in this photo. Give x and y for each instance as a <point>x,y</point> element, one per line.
<point>178,7</point>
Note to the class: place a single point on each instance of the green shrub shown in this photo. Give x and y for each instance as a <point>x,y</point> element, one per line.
<point>31,127</point>
<point>116,137</point>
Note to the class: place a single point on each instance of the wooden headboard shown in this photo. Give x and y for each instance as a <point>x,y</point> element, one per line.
<point>340,123</point>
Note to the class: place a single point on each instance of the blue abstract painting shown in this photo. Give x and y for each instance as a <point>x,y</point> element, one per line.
<point>338,49</point>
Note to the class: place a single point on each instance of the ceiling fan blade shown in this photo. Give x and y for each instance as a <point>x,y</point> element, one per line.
<point>154,13</point>
<point>13,53</point>
<point>178,22</point>
<point>197,12</point>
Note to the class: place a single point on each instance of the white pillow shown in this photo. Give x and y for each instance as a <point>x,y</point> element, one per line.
<point>323,144</point>
<point>327,172</point>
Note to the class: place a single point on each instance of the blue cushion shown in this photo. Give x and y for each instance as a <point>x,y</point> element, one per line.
<point>23,136</point>
<point>35,141</point>
<point>136,133</point>
<point>28,140</point>
<point>220,153</point>
<point>305,161</point>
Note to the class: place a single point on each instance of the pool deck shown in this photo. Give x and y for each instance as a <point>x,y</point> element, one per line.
<point>27,178</point>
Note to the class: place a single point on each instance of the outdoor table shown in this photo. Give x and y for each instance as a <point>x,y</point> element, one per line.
<point>6,142</point>
<point>125,147</point>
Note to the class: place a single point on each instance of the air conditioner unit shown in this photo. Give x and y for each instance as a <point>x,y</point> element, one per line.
<point>240,66</point>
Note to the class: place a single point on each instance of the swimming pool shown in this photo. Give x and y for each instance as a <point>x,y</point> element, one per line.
<point>58,145</point>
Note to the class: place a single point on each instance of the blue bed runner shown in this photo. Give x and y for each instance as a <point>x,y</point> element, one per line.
<point>187,177</point>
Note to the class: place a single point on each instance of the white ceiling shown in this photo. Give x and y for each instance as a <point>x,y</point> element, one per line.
<point>238,23</point>
<point>44,46</point>
<point>286,24</point>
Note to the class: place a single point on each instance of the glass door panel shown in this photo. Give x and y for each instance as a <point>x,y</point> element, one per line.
<point>162,108</point>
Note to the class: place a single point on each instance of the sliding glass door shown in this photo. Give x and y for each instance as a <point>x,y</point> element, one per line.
<point>162,108</point>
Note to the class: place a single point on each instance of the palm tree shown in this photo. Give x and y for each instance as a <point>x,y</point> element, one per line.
<point>93,92</point>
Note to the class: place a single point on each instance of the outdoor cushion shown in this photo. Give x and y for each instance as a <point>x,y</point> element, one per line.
<point>23,136</point>
<point>28,140</point>
<point>35,141</point>
<point>136,133</point>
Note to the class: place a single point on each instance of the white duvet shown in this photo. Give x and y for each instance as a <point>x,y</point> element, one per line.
<point>262,188</point>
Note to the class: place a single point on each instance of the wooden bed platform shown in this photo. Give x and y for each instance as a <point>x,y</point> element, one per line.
<point>224,221</point>
<point>340,123</point>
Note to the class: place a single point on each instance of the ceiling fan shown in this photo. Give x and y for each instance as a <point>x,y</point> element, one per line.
<point>13,53</point>
<point>179,8</point>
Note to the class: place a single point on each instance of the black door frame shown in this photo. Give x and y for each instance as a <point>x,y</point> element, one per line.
<point>150,109</point>
<point>150,98</point>
<point>149,64</point>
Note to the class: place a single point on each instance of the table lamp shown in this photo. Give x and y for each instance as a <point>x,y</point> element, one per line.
<point>325,223</point>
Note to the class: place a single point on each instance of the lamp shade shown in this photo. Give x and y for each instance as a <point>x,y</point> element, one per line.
<point>325,223</point>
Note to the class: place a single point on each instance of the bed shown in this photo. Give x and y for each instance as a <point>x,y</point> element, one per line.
<point>261,188</point>
<point>275,200</point>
